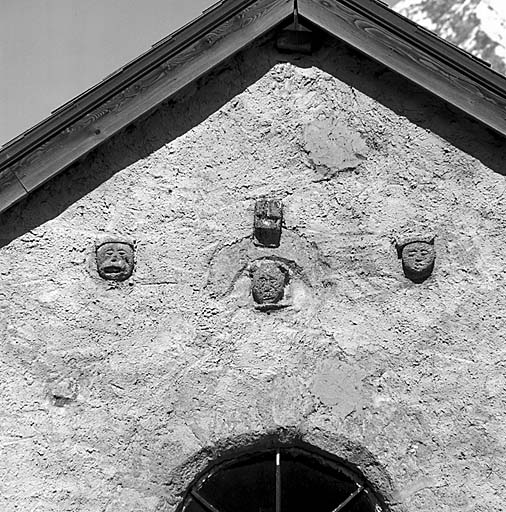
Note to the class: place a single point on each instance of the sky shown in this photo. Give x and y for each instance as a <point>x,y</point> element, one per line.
<point>53,50</point>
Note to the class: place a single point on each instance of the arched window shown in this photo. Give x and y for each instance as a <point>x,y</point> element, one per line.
<point>286,479</point>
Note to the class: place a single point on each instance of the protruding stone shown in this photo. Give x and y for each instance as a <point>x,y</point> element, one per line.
<point>267,224</point>
<point>63,391</point>
<point>115,258</point>
<point>418,256</point>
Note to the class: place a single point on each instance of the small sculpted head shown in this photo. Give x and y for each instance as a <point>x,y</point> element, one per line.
<point>267,224</point>
<point>418,257</point>
<point>115,259</point>
<point>268,281</point>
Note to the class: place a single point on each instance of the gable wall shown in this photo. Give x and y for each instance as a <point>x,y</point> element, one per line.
<point>406,381</point>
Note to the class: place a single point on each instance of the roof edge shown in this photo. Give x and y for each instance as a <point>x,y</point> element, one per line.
<point>370,26</point>
<point>80,125</point>
<point>416,53</point>
<point>120,79</point>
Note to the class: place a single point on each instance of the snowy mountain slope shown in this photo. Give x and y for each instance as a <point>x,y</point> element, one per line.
<point>478,26</point>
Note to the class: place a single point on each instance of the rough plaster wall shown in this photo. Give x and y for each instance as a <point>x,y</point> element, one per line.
<point>113,396</point>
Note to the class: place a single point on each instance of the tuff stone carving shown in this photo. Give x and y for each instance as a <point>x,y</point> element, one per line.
<point>268,281</point>
<point>267,224</point>
<point>418,256</point>
<point>115,258</point>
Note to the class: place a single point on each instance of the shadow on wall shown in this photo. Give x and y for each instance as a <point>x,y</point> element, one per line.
<point>201,99</point>
<point>422,108</point>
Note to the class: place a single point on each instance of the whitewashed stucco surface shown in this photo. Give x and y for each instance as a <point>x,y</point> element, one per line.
<point>405,381</point>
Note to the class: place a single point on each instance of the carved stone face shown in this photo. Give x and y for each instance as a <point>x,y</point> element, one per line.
<point>267,225</point>
<point>115,261</point>
<point>418,260</point>
<point>268,281</point>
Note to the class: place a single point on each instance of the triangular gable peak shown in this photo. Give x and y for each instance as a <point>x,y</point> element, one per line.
<point>367,25</point>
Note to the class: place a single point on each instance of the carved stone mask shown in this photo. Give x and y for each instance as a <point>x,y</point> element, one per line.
<point>418,260</point>
<point>268,281</point>
<point>115,260</point>
<point>267,225</point>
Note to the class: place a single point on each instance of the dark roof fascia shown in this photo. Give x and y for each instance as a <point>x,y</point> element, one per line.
<point>416,53</point>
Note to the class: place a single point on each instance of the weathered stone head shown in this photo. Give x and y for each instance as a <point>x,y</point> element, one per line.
<point>115,258</point>
<point>267,224</point>
<point>418,256</point>
<point>268,280</point>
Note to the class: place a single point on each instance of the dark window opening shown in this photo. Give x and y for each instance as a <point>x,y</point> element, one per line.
<point>280,480</point>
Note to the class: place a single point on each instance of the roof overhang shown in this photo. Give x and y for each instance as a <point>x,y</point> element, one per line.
<point>416,53</point>
<point>370,26</point>
<point>77,127</point>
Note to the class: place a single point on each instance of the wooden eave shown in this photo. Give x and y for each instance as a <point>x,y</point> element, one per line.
<point>370,26</point>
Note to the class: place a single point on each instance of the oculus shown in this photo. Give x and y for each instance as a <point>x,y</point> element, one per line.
<point>115,259</point>
<point>287,478</point>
